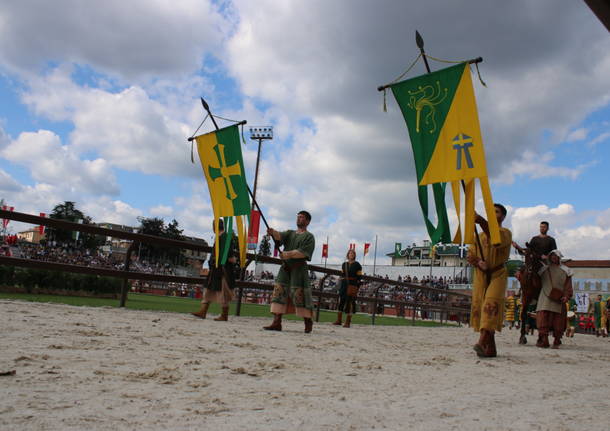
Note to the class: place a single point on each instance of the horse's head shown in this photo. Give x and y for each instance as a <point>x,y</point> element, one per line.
<point>532,259</point>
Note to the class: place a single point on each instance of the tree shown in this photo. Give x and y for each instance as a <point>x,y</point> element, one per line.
<point>265,247</point>
<point>160,253</point>
<point>67,211</point>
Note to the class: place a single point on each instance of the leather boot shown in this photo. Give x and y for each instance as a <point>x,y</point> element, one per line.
<point>203,311</point>
<point>348,321</point>
<point>491,350</point>
<point>556,343</point>
<point>482,343</point>
<point>308,324</point>
<point>543,341</point>
<point>339,319</point>
<point>276,325</point>
<point>224,315</point>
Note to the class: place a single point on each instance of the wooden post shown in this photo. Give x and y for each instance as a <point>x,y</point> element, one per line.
<point>375,306</point>
<point>125,287</point>
<point>240,291</point>
<point>320,289</point>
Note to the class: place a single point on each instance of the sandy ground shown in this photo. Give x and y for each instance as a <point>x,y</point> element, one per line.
<point>80,368</point>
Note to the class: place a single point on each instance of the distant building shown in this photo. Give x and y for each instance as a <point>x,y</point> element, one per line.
<point>419,255</point>
<point>31,235</point>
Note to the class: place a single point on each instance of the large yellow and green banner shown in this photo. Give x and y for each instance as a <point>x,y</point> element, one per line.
<point>223,167</point>
<point>441,115</point>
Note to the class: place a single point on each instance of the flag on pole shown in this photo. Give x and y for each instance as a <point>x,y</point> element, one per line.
<point>6,221</point>
<point>41,227</point>
<point>366,248</point>
<point>223,167</point>
<point>352,246</point>
<point>325,251</point>
<point>441,115</point>
<point>397,249</point>
<point>255,220</point>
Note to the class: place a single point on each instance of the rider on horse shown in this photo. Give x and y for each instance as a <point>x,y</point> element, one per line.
<point>541,244</point>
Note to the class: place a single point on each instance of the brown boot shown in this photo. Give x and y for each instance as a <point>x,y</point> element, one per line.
<point>339,319</point>
<point>224,315</point>
<point>543,341</point>
<point>556,343</point>
<point>348,321</point>
<point>491,347</point>
<point>276,325</point>
<point>203,311</point>
<point>482,343</point>
<point>308,324</point>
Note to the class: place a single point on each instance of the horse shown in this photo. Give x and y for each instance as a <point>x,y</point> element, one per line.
<point>531,285</point>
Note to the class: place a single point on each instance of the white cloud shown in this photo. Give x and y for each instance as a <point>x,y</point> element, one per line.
<point>602,137</point>
<point>577,135</point>
<point>111,211</point>
<point>161,211</point>
<point>51,162</point>
<point>535,165</point>
<point>134,39</point>
<point>576,236</point>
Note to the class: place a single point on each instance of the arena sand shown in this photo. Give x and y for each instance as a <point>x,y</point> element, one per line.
<point>80,368</point>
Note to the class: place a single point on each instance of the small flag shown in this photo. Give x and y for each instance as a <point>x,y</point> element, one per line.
<point>41,227</point>
<point>397,249</point>
<point>6,221</point>
<point>255,219</point>
<point>325,251</point>
<point>352,246</point>
<point>366,248</point>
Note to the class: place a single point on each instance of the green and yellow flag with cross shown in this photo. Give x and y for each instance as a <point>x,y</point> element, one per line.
<point>441,115</point>
<point>223,167</point>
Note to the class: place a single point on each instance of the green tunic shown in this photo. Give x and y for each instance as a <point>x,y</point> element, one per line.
<point>293,277</point>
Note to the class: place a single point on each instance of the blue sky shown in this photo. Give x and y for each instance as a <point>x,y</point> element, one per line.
<point>100,114</point>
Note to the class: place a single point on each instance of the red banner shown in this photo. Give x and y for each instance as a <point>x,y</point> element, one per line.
<point>325,250</point>
<point>366,248</point>
<point>255,221</point>
<point>352,246</point>
<point>41,227</point>
<point>5,221</point>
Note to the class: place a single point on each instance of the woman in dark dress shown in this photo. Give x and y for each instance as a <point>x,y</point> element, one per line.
<point>350,282</point>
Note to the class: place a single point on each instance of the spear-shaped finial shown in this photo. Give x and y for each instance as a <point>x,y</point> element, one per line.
<point>419,40</point>
<point>420,44</point>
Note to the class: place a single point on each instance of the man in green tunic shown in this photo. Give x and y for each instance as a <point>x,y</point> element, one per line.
<point>292,284</point>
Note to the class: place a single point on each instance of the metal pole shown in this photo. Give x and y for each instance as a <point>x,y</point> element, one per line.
<point>375,258</point>
<point>258,158</point>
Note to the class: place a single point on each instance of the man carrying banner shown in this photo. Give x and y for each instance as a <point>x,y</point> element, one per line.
<point>221,278</point>
<point>292,285</point>
<point>490,280</point>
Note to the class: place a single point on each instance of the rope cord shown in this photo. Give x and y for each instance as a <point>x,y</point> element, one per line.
<point>456,62</point>
<point>193,135</point>
<point>385,109</point>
